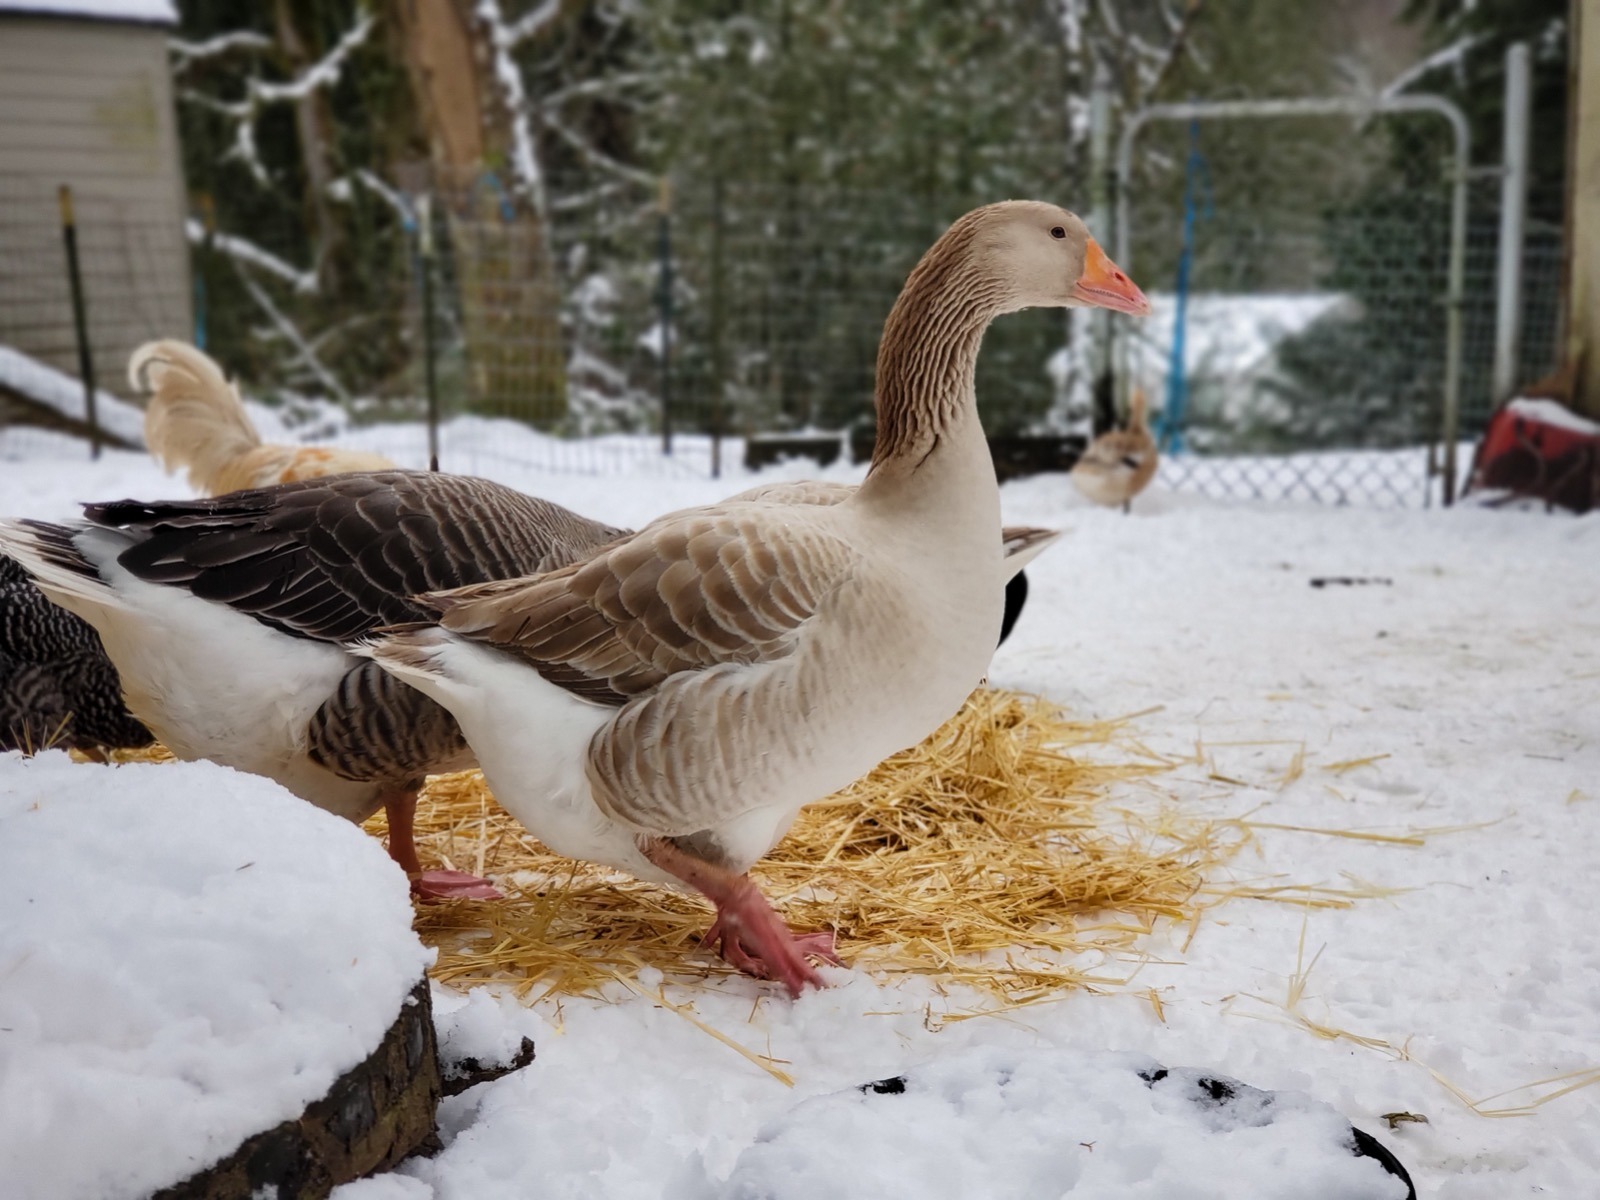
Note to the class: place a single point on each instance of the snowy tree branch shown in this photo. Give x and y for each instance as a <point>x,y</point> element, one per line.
<point>258,94</point>
<point>1151,81</point>
<point>396,200</point>
<point>524,161</point>
<point>1450,55</point>
<point>188,53</point>
<point>243,250</point>
<point>594,156</point>
<point>305,354</point>
<point>532,23</point>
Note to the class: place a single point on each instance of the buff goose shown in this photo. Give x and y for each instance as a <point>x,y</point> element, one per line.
<point>226,619</point>
<point>1120,463</point>
<point>667,704</point>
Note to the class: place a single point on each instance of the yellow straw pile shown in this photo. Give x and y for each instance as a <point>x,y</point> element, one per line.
<point>991,855</point>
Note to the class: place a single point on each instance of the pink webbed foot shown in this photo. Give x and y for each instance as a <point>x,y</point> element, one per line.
<point>452,885</point>
<point>755,941</point>
<point>753,938</point>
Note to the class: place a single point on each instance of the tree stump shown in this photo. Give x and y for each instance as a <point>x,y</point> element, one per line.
<point>376,1113</point>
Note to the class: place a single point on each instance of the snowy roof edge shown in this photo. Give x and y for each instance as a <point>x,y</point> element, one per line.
<point>123,12</point>
<point>38,382</point>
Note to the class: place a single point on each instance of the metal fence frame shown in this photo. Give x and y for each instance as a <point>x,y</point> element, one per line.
<point>1332,106</point>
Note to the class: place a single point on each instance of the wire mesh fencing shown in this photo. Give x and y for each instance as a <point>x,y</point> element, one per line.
<point>613,326</point>
<point>1301,350</point>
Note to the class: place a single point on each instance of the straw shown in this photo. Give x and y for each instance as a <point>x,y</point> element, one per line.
<point>989,856</point>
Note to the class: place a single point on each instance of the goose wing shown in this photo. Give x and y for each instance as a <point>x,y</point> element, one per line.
<point>690,592</point>
<point>334,558</point>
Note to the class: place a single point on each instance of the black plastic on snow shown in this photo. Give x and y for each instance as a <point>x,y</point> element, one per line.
<point>1367,1146</point>
<point>886,1087</point>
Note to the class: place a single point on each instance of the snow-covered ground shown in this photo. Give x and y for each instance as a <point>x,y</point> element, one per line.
<point>1439,692</point>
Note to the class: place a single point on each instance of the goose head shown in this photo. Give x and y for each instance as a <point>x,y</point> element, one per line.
<point>1044,257</point>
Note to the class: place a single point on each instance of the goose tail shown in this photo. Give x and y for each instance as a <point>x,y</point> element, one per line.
<point>1023,544</point>
<point>53,557</point>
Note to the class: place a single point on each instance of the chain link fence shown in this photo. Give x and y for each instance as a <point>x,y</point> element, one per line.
<point>1314,258</point>
<point>722,311</point>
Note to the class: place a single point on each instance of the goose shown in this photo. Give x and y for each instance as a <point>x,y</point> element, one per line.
<point>243,663</point>
<point>227,619</point>
<point>666,704</point>
<point>57,687</point>
<point>1120,463</point>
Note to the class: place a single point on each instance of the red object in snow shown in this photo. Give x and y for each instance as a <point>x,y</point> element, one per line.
<point>1540,448</point>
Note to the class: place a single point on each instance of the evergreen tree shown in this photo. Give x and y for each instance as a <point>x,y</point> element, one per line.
<point>1377,380</point>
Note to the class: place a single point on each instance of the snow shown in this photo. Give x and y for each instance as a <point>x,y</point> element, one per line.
<point>1549,412</point>
<point>38,381</point>
<point>1441,705</point>
<point>155,12</point>
<point>190,956</point>
<point>1017,1125</point>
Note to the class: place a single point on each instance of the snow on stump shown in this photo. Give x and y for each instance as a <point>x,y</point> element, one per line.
<point>210,988</point>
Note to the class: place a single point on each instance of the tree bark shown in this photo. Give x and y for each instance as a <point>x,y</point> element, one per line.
<point>377,1113</point>
<point>509,292</point>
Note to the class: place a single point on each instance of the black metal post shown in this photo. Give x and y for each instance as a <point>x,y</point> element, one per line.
<point>666,314</point>
<point>719,373</point>
<point>430,375</point>
<point>80,319</point>
<point>207,271</point>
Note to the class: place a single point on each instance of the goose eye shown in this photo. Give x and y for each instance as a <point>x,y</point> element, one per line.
<point>1058,232</point>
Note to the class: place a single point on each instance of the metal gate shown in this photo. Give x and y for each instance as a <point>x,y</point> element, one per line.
<point>1377,465</point>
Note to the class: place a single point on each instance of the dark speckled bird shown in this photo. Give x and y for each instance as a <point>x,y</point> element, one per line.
<point>57,686</point>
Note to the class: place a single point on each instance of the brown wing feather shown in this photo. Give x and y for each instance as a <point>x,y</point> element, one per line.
<point>687,593</point>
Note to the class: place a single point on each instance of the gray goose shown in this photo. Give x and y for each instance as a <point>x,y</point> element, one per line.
<point>692,686</point>
<point>228,619</point>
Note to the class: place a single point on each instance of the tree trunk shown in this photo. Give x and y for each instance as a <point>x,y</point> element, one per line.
<point>313,122</point>
<point>376,1113</point>
<point>510,295</point>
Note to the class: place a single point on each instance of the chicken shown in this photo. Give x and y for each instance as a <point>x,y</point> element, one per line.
<point>57,687</point>
<point>1120,463</point>
<point>195,419</point>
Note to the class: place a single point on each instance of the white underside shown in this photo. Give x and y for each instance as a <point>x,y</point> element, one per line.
<point>532,741</point>
<point>208,681</point>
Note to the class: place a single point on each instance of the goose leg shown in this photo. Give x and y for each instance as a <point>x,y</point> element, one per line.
<point>752,936</point>
<point>401,809</point>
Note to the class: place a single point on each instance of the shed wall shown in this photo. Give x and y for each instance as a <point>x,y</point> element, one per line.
<point>89,104</point>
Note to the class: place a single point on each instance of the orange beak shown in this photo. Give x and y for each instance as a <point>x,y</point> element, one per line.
<point>1104,286</point>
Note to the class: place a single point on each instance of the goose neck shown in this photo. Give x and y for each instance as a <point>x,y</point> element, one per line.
<point>927,362</point>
